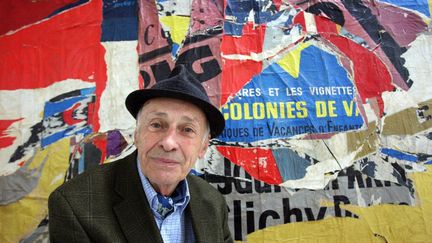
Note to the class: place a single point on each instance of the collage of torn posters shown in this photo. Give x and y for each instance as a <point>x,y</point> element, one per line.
<point>328,108</point>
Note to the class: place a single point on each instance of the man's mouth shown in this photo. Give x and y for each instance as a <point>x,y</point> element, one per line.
<point>166,161</point>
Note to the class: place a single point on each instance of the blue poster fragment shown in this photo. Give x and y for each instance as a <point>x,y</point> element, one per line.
<point>120,20</point>
<point>421,6</point>
<point>238,11</point>
<point>276,105</point>
<point>295,169</point>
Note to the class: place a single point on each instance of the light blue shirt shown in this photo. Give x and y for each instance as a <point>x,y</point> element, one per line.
<point>173,228</point>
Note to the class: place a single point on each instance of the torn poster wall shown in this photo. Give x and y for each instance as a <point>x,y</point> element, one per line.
<point>327,106</point>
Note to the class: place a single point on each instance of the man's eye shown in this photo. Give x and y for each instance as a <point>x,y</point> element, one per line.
<point>155,125</point>
<point>188,130</point>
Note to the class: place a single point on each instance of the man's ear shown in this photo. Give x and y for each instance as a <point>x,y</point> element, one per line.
<point>204,147</point>
<point>135,135</point>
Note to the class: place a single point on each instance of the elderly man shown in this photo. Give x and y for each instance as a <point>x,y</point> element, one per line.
<point>149,196</point>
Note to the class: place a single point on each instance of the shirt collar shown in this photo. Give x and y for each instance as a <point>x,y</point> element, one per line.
<point>181,198</point>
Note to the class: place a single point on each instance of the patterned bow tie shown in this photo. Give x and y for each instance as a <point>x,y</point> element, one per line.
<point>165,206</point>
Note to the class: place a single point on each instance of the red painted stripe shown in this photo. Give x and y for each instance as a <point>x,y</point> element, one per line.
<point>258,162</point>
<point>66,46</point>
<point>252,40</point>
<point>6,140</point>
<point>101,143</point>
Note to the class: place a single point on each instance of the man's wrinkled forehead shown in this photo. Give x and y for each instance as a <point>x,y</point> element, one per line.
<point>165,115</point>
<point>153,108</point>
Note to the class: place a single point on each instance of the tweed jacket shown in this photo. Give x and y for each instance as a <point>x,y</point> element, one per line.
<point>108,204</point>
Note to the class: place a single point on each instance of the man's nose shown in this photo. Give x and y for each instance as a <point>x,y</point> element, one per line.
<point>169,140</point>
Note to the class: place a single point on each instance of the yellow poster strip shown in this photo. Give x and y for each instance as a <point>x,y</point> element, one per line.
<point>21,218</point>
<point>178,26</point>
<point>383,223</point>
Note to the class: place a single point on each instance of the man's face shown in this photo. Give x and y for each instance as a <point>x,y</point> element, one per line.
<point>170,136</point>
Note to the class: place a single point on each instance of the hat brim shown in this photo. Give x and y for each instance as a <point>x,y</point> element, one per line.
<point>137,98</point>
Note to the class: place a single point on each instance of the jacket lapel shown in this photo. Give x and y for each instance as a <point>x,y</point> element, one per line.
<point>132,209</point>
<point>198,212</point>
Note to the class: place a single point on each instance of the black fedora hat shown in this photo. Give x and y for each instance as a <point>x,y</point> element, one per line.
<point>181,84</point>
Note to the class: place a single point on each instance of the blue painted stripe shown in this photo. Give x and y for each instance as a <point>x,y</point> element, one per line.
<point>69,131</point>
<point>52,108</point>
<point>399,155</point>
<point>88,91</point>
